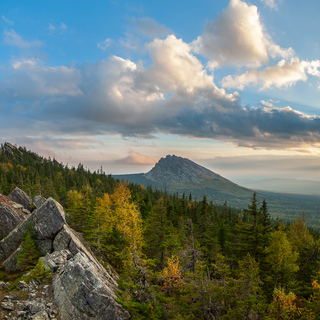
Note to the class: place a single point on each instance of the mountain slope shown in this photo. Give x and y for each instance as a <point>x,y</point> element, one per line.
<point>176,174</point>
<point>173,170</point>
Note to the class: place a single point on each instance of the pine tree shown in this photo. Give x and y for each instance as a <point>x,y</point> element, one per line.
<point>253,231</point>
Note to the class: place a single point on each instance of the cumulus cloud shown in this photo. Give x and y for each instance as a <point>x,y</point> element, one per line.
<point>237,37</point>
<point>13,39</point>
<point>284,74</point>
<point>173,95</point>
<point>36,81</point>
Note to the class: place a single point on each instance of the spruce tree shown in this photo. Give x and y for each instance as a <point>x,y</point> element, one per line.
<point>251,232</point>
<point>29,255</point>
<point>160,235</point>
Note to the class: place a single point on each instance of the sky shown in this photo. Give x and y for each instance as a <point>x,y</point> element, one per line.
<point>232,85</point>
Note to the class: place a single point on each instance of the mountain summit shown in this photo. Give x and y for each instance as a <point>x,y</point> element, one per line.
<point>183,176</point>
<point>180,176</point>
<point>173,170</point>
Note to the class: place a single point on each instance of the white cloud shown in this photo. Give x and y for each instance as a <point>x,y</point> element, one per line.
<point>103,45</point>
<point>284,74</point>
<point>35,81</point>
<point>173,95</point>
<point>7,20</point>
<point>14,39</point>
<point>52,28</point>
<point>237,37</point>
<point>268,104</point>
<point>63,26</point>
<point>271,3</point>
<point>313,67</point>
<point>176,70</point>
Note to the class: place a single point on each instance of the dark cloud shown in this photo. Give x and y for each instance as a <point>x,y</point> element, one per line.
<point>250,127</point>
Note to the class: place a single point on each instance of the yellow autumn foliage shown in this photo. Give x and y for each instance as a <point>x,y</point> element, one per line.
<point>116,210</point>
<point>172,276</point>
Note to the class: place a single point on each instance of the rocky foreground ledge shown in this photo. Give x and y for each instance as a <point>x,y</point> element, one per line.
<point>81,288</point>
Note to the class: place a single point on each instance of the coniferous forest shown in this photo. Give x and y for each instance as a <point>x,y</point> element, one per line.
<point>179,257</point>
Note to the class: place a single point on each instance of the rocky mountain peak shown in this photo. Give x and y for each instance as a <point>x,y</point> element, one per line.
<point>8,147</point>
<point>177,170</point>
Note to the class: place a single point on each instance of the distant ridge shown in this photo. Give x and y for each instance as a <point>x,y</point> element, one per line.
<point>175,174</point>
<point>178,175</point>
<point>283,185</point>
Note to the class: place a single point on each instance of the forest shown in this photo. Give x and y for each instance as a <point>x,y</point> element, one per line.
<point>179,257</point>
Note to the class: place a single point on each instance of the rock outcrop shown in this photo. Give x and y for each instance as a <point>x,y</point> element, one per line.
<point>81,286</point>
<point>11,215</point>
<point>8,147</point>
<point>84,299</point>
<point>38,201</point>
<point>19,196</point>
<point>10,218</point>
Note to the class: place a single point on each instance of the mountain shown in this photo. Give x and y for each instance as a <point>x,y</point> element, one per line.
<point>176,174</point>
<point>178,171</point>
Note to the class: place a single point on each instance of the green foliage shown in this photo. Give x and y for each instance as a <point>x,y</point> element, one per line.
<point>29,254</point>
<point>3,276</point>
<point>13,284</point>
<point>178,258</point>
<point>282,258</point>
<point>40,273</point>
<point>245,292</point>
<point>159,235</point>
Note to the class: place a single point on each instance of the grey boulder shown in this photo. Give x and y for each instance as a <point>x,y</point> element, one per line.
<point>9,218</point>
<point>80,291</point>
<point>19,196</point>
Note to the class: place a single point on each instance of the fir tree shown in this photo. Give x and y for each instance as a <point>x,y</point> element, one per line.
<point>29,254</point>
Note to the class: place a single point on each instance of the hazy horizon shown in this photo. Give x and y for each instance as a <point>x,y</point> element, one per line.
<point>231,85</point>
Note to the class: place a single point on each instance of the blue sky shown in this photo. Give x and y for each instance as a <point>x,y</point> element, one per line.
<point>232,85</point>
